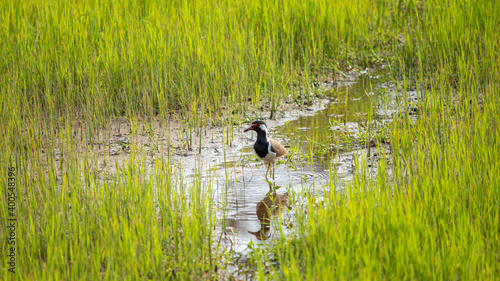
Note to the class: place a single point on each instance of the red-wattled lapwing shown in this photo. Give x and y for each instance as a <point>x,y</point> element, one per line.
<point>266,148</point>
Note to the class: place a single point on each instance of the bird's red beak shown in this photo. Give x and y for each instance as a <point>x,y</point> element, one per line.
<point>250,128</point>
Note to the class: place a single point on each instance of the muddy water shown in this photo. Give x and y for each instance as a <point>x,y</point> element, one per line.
<point>324,147</point>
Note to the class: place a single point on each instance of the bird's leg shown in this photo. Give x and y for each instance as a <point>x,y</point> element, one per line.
<point>270,186</point>
<point>274,173</point>
<point>268,166</point>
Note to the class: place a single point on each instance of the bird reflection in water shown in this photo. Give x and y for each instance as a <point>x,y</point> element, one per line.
<point>271,205</point>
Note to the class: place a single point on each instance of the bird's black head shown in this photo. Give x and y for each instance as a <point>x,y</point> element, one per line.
<point>257,126</point>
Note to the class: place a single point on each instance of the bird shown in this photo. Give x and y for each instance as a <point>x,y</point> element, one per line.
<point>266,148</point>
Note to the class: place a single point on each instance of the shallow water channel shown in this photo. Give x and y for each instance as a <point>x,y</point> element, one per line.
<point>324,147</point>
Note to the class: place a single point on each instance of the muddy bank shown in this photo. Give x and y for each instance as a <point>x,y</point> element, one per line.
<point>187,147</point>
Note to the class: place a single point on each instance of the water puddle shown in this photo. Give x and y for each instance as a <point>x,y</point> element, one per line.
<point>324,148</point>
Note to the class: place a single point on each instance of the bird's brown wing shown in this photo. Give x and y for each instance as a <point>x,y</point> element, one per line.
<point>277,148</point>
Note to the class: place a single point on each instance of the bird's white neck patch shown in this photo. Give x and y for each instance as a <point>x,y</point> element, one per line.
<point>263,127</point>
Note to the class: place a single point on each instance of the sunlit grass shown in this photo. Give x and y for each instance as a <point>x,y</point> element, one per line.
<point>432,210</point>
<point>100,58</point>
<point>69,69</point>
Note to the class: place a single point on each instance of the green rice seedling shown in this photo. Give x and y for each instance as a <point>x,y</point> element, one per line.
<point>431,211</point>
<point>97,59</point>
<point>75,224</point>
<point>69,69</point>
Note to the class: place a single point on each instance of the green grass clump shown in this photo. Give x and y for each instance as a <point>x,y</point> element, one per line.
<point>432,211</point>
<point>101,58</point>
<point>67,69</point>
<point>78,220</point>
